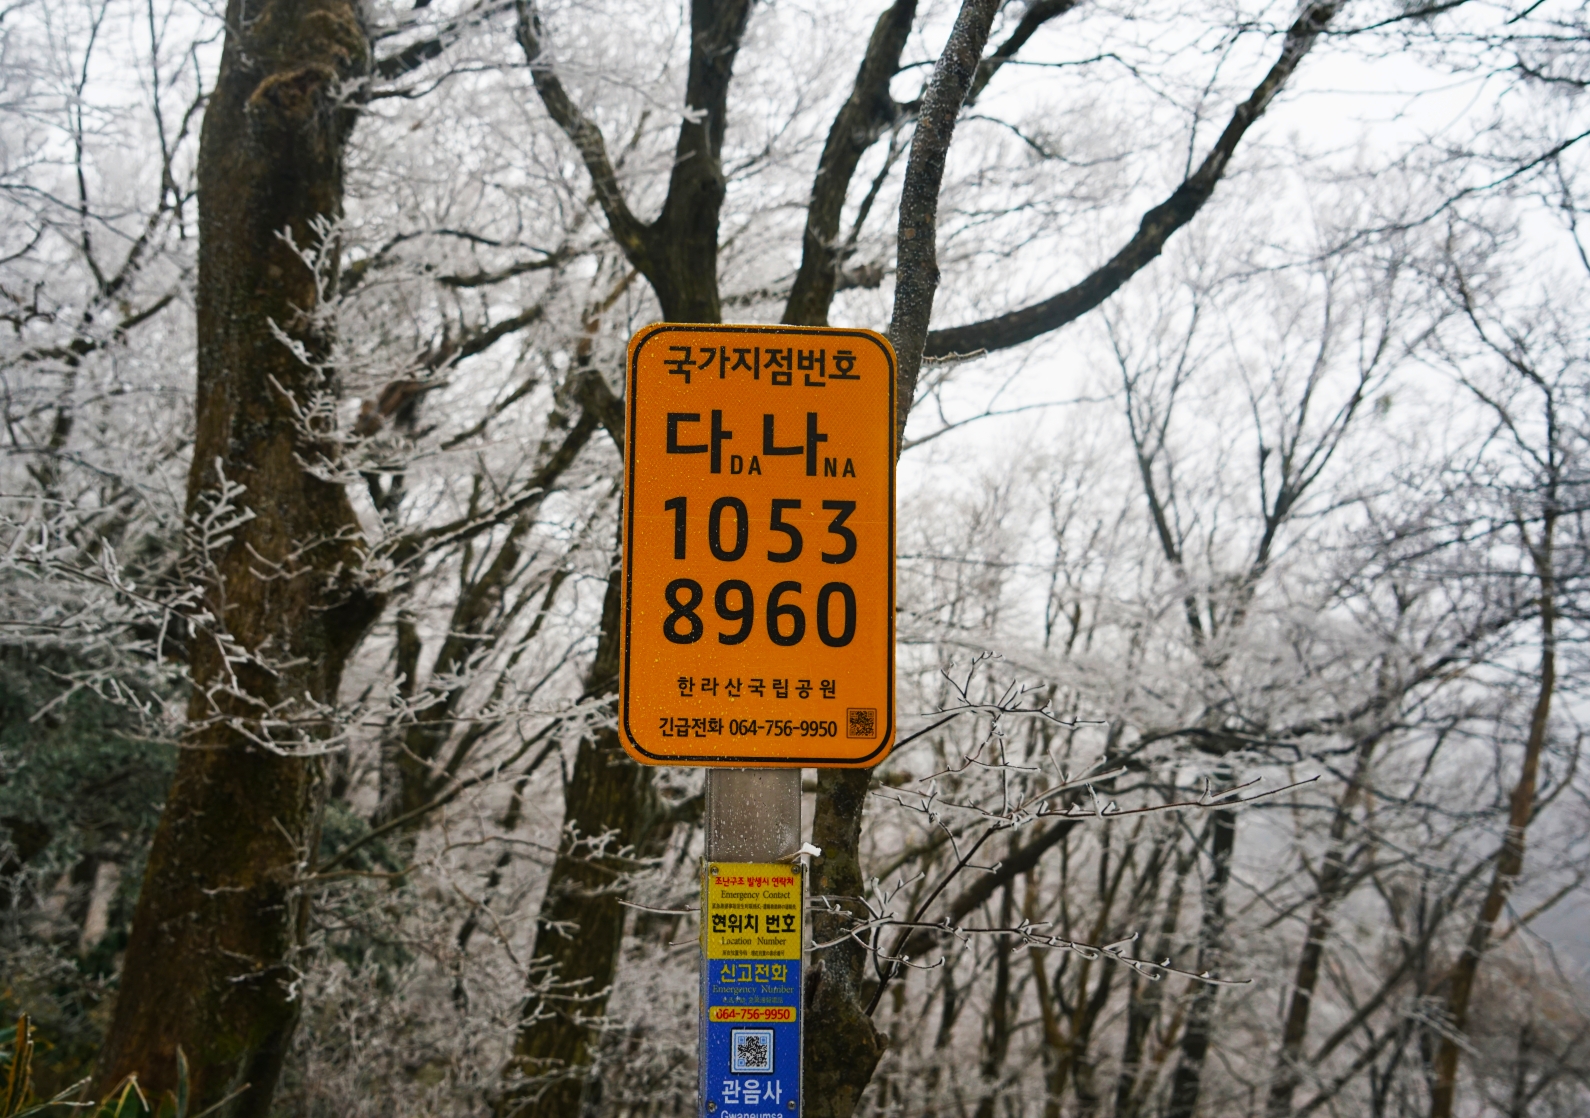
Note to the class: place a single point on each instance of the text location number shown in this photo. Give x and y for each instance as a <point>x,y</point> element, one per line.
<point>784,614</point>
<point>734,601</point>
<point>728,542</point>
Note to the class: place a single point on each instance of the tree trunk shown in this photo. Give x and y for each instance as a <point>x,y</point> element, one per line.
<point>997,1026</point>
<point>1187,1080</point>
<point>209,968</point>
<point>611,816</point>
<point>580,929</point>
<point>1144,1001</point>
<point>1331,886</point>
<point>842,1046</point>
<point>1521,808</point>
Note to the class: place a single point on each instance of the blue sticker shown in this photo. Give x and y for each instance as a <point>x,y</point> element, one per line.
<point>751,1039</point>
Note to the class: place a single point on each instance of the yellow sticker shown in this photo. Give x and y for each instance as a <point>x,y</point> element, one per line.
<point>752,911</point>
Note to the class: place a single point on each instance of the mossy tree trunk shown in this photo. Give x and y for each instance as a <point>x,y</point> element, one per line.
<point>274,546</point>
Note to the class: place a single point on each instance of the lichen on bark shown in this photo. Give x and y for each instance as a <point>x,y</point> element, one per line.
<point>210,966</point>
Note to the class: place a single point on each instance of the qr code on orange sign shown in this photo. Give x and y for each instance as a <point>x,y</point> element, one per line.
<point>861,722</point>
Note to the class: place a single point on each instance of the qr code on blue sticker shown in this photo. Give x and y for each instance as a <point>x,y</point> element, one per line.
<point>751,1051</point>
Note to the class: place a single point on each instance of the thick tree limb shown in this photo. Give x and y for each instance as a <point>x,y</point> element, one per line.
<point>1037,14</point>
<point>1158,224</point>
<point>866,113</point>
<point>677,253</point>
<point>627,230</point>
<point>684,262</point>
<point>917,278</point>
<point>415,55</point>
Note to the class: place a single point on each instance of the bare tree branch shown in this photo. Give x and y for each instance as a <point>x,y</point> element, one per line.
<point>864,116</point>
<point>1158,224</point>
<point>917,278</point>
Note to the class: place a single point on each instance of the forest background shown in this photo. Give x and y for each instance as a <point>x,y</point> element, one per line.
<point>1242,545</point>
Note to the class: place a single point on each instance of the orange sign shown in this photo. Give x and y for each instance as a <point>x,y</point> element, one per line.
<point>758,615</point>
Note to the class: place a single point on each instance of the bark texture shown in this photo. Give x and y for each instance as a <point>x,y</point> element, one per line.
<point>608,794</point>
<point>611,815</point>
<point>209,968</point>
<point>1187,1080</point>
<point>917,280</point>
<point>1521,809</point>
<point>842,1046</point>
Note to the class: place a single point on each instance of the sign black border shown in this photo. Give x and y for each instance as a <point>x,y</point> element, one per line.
<point>637,343</point>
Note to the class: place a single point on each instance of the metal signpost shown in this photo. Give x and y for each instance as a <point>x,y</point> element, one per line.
<point>758,637</point>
